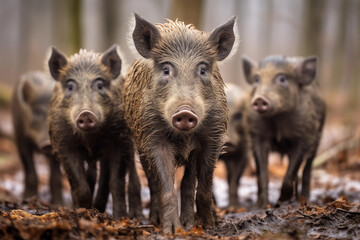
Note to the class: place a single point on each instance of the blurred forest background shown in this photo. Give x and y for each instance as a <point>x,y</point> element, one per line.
<point>329,29</point>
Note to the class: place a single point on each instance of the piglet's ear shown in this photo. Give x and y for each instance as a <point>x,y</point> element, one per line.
<point>56,62</point>
<point>223,39</point>
<point>112,61</point>
<point>248,66</point>
<point>306,70</point>
<point>145,36</point>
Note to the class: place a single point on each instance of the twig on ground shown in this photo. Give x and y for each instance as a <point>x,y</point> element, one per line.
<point>303,214</point>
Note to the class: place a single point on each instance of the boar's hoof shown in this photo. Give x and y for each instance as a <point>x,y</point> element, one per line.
<point>86,120</point>
<point>261,105</point>
<point>184,119</point>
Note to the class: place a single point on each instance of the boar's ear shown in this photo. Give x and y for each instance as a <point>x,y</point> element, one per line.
<point>28,92</point>
<point>56,62</point>
<point>307,70</point>
<point>112,60</point>
<point>223,38</point>
<point>145,36</point>
<point>248,66</point>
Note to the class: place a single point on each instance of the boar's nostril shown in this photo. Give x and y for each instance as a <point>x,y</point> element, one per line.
<point>86,120</point>
<point>261,105</point>
<point>184,120</point>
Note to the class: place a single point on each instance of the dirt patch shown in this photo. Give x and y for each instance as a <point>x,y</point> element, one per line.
<point>37,220</point>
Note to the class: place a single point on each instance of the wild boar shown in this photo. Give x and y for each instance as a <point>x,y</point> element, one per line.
<point>176,108</point>
<point>237,143</point>
<point>287,116</point>
<point>86,124</point>
<point>30,104</point>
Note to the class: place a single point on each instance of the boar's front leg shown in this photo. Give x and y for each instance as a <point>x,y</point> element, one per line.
<point>103,190</point>
<point>153,183</point>
<point>31,180</point>
<point>204,199</point>
<point>55,180</point>
<point>80,190</point>
<point>305,187</point>
<point>164,163</point>
<point>296,156</point>
<point>118,163</point>
<point>235,166</point>
<point>91,174</point>
<point>187,193</point>
<point>134,190</point>
<point>261,153</point>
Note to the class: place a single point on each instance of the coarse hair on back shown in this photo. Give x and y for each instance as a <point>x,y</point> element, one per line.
<point>174,29</point>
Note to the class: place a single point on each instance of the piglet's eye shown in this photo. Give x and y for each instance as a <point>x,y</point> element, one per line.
<point>256,79</point>
<point>202,71</point>
<point>166,71</point>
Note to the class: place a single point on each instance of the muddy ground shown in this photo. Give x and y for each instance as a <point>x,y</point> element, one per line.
<point>333,211</point>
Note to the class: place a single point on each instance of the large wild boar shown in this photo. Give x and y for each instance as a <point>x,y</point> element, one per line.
<point>30,104</point>
<point>287,116</point>
<point>176,108</point>
<point>86,124</point>
<point>237,143</point>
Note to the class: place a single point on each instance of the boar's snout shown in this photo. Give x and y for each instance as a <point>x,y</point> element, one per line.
<point>261,104</point>
<point>184,119</point>
<point>86,120</point>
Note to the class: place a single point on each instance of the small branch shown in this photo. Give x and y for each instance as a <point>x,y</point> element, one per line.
<point>237,230</point>
<point>346,211</point>
<point>334,150</point>
<point>303,214</point>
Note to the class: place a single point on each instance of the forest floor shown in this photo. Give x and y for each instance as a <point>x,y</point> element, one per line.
<point>332,212</point>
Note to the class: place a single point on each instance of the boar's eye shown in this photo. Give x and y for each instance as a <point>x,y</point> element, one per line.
<point>167,69</point>
<point>70,85</point>
<point>99,85</point>
<point>237,116</point>
<point>202,69</point>
<point>256,79</point>
<point>38,113</point>
<point>281,79</point>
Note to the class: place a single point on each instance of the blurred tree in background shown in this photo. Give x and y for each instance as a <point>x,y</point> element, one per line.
<point>329,29</point>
